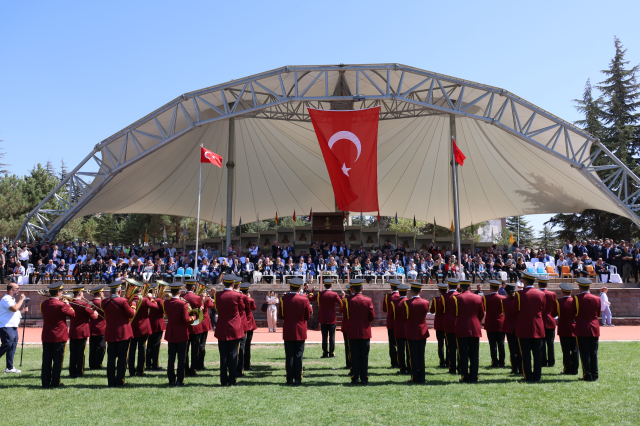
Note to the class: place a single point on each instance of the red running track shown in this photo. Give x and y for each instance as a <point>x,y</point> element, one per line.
<point>379,335</point>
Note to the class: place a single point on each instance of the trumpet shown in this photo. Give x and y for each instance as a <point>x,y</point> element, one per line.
<point>196,311</point>
<point>69,298</point>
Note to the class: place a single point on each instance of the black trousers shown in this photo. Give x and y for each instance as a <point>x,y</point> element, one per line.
<point>401,345</point>
<point>203,349</point>
<point>416,356</point>
<point>359,359</point>
<point>177,350</point>
<point>328,338</point>
<point>514,354</point>
<point>588,347</point>
<point>442,348</point>
<point>228,361</point>
<point>347,352</point>
<point>97,346</point>
<point>247,349</point>
<point>452,352</point>
<point>77,348</point>
<point>531,350</point>
<point>52,359</point>
<point>240,365</point>
<point>117,353</point>
<point>570,355</point>
<point>153,350</point>
<point>393,351</point>
<point>469,351</point>
<point>139,345</point>
<point>496,348</point>
<point>548,351</point>
<point>193,352</point>
<point>293,352</point>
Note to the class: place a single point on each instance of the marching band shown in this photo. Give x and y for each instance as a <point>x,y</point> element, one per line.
<point>131,322</point>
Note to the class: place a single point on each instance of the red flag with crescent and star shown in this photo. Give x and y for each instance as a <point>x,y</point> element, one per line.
<point>349,143</point>
<point>207,156</point>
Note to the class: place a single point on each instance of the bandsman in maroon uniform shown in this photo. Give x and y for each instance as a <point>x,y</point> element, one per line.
<point>587,309</point>
<point>494,323</point>
<point>469,314</point>
<point>141,327</point>
<point>118,333</point>
<point>417,332</point>
<point>158,326</point>
<point>529,306</point>
<point>549,317</point>
<point>245,326</point>
<point>399,328</point>
<point>207,301</point>
<point>79,332</point>
<point>437,307</point>
<point>567,330</point>
<point>98,325</point>
<point>510,318</point>
<point>229,329</point>
<point>450,324</point>
<point>387,306</point>
<point>360,313</point>
<point>250,306</point>
<point>196,332</point>
<point>54,335</point>
<point>295,311</point>
<point>344,328</point>
<point>177,334</point>
<point>327,301</point>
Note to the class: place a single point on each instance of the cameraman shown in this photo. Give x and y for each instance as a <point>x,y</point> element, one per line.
<point>10,315</point>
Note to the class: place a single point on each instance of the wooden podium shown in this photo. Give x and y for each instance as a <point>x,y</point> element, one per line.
<point>328,227</point>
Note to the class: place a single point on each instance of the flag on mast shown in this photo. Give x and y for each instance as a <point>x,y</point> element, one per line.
<point>276,218</point>
<point>457,154</point>
<point>207,156</point>
<point>414,220</point>
<point>258,221</point>
<point>452,228</point>
<point>146,240</point>
<point>205,228</point>
<point>164,233</point>
<point>396,218</point>
<point>221,220</point>
<point>294,216</point>
<point>184,230</point>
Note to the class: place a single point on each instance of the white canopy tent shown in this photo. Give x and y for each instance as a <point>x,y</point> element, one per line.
<point>520,159</point>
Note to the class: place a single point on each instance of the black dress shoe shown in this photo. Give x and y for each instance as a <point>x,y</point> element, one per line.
<point>157,369</point>
<point>171,384</point>
<point>332,355</point>
<point>179,384</point>
<point>289,384</point>
<point>297,383</point>
<point>395,366</point>
<point>325,356</point>
<point>248,369</point>
<point>355,382</point>
<point>364,383</point>
<point>73,377</point>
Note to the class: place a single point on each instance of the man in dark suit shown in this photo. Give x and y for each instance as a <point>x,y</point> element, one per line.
<point>360,313</point>
<point>469,313</point>
<point>276,250</point>
<point>55,255</point>
<point>229,329</point>
<point>295,311</point>
<point>587,309</point>
<point>529,306</point>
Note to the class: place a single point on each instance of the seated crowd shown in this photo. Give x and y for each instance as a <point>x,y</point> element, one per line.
<point>91,264</point>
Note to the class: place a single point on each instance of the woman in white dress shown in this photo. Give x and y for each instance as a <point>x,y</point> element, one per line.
<point>272,311</point>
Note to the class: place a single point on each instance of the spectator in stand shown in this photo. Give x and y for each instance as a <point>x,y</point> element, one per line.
<point>567,248</point>
<point>604,307</point>
<point>627,265</point>
<point>602,268</point>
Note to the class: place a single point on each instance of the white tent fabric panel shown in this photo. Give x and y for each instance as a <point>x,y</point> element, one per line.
<point>279,168</point>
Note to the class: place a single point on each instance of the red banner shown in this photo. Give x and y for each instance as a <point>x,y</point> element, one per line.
<point>457,154</point>
<point>349,143</point>
<point>207,156</point>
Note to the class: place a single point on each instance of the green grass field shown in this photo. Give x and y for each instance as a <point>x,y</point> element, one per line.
<point>325,396</point>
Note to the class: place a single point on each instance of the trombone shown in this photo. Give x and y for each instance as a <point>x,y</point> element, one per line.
<point>69,298</point>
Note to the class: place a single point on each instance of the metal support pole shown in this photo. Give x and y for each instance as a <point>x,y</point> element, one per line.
<point>454,172</point>
<point>231,158</point>
<point>195,257</point>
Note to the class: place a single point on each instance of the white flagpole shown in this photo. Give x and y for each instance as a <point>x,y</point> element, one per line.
<point>195,269</point>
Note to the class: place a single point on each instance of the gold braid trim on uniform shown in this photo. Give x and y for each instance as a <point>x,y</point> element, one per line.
<point>518,294</point>
<point>558,305</point>
<point>577,305</point>
<point>281,307</point>
<point>443,305</point>
<point>346,305</point>
<point>407,307</point>
<point>455,299</point>
<point>393,305</point>
<point>484,302</point>
<point>318,299</point>
<point>501,305</point>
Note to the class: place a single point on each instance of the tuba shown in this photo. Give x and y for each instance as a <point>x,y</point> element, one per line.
<point>200,289</point>
<point>143,293</point>
<point>161,287</point>
<point>195,311</point>
<point>130,289</point>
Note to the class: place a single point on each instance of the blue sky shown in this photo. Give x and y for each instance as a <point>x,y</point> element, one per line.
<point>74,73</point>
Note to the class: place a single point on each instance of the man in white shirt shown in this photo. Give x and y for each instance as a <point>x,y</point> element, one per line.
<point>10,315</point>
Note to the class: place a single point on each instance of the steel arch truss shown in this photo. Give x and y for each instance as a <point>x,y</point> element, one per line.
<point>287,93</point>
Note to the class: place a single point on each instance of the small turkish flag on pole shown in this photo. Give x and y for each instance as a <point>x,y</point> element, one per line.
<point>457,154</point>
<point>349,144</point>
<point>207,156</point>
<point>294,215</point>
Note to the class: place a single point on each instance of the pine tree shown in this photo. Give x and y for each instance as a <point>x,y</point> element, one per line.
<point>525,231</point>
<point>3,170</point>
<point>548,239</point>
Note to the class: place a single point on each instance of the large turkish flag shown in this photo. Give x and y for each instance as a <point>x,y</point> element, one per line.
<point>349,143</point>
